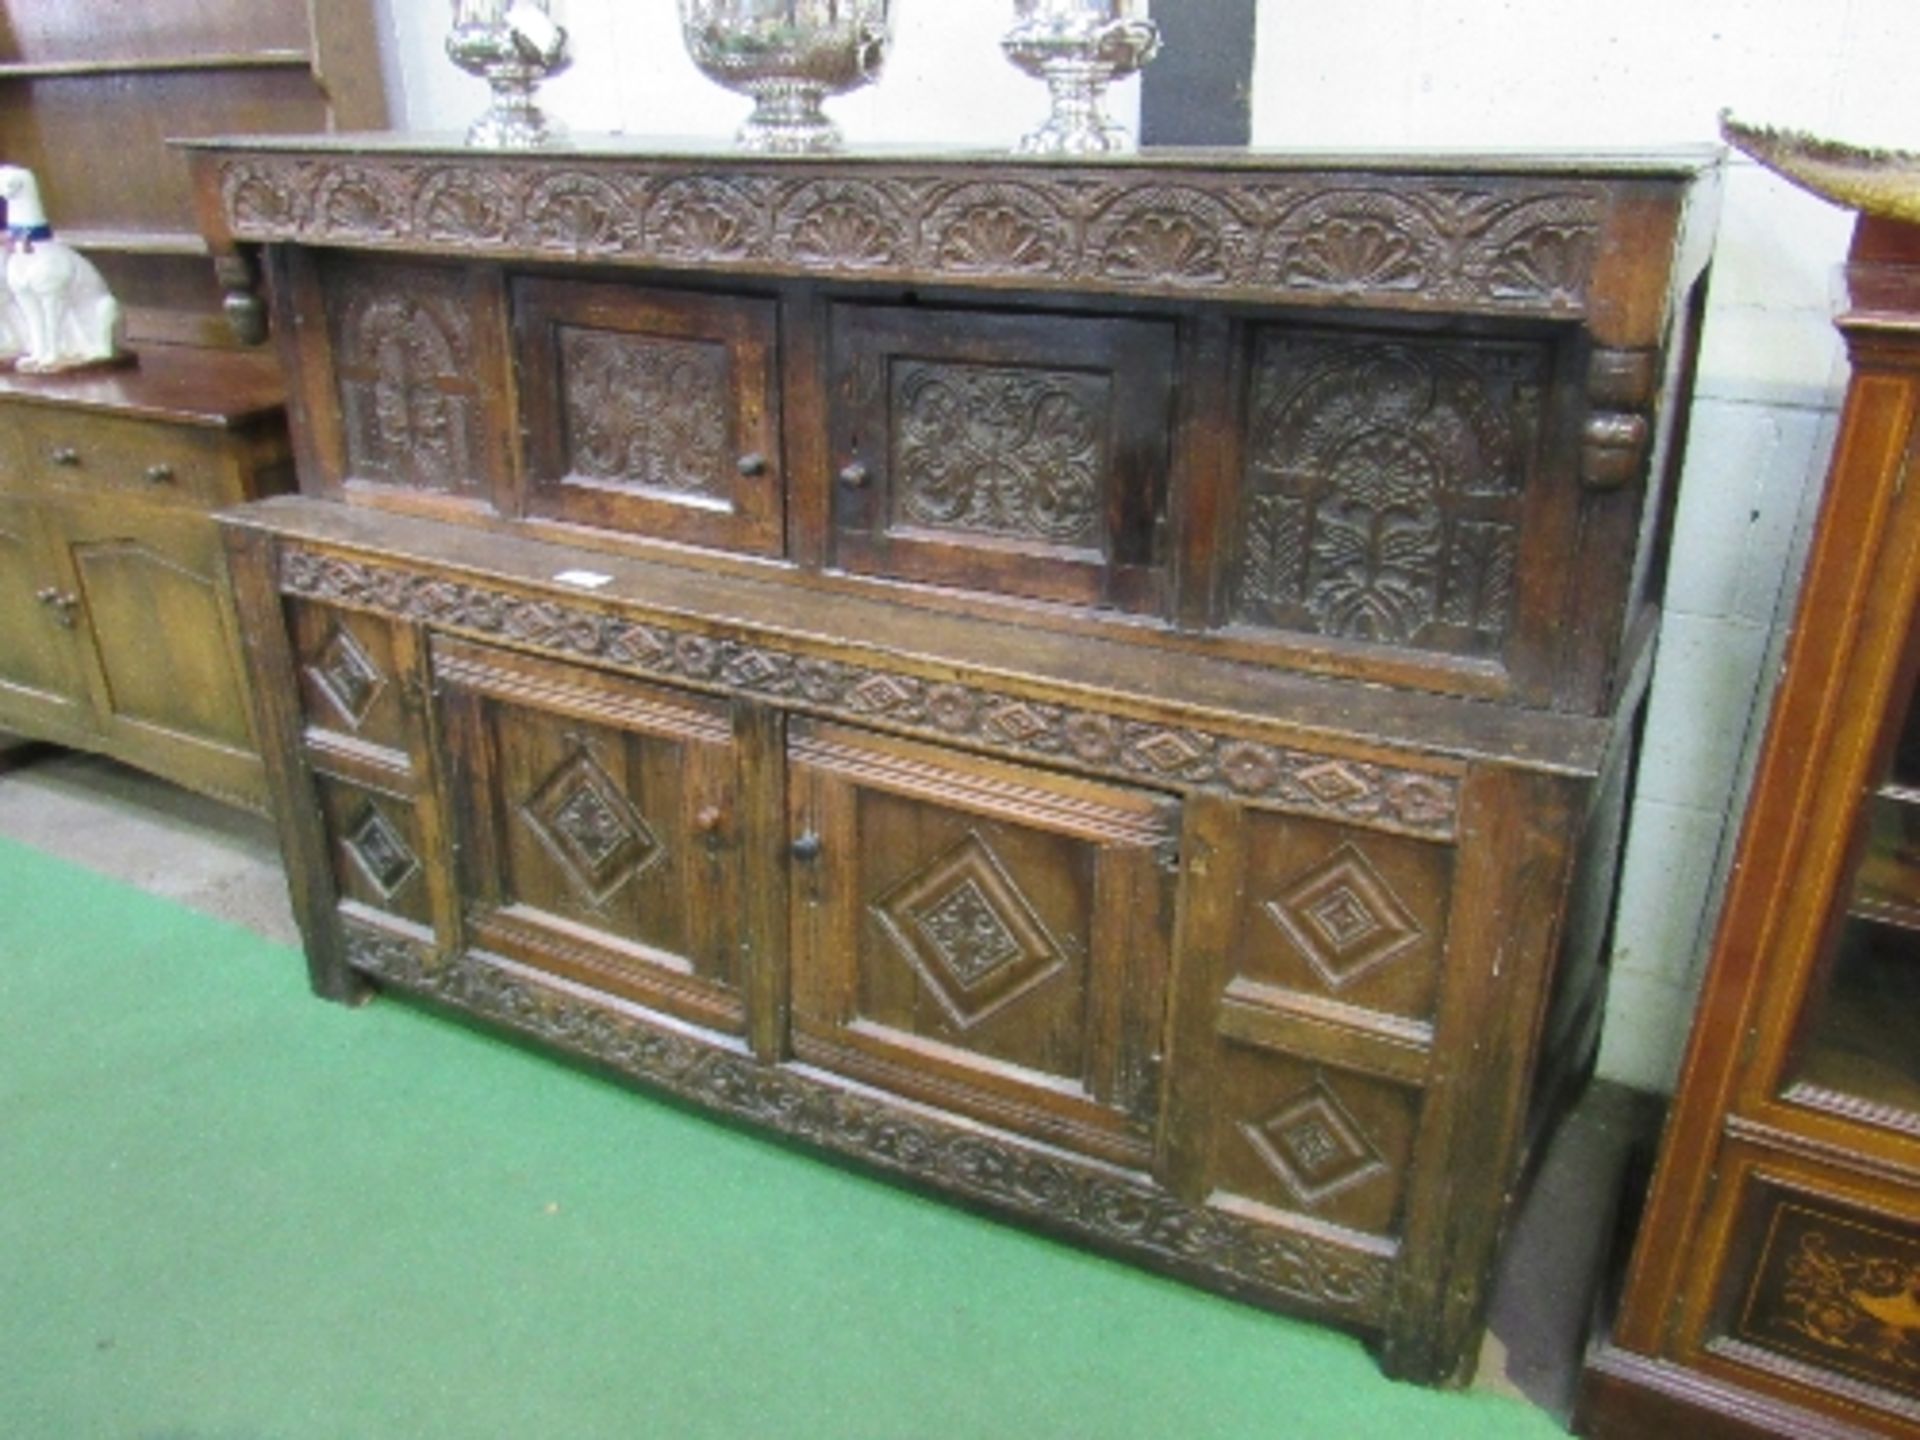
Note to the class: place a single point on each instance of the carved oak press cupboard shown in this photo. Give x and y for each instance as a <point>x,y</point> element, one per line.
<point>1104,688</point>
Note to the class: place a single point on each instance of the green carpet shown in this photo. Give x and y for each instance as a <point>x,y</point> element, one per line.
<point>231,1212</point>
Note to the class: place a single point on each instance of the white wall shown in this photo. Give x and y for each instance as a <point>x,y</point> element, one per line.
<point>1637,72</point>
<point>1483,73</point>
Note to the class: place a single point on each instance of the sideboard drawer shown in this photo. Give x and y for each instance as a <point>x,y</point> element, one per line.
<point>164,463</point>
<point>651,411</point>
<point>1025,454</point>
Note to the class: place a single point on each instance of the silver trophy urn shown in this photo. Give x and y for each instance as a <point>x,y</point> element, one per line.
<point>1080,47</point>
<point>789,55</point>
<point>513,45</point>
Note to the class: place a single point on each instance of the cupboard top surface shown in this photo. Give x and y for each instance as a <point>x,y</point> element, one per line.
<point>184,385</point>
<point>1200,688</point>
<point>1669,162</point>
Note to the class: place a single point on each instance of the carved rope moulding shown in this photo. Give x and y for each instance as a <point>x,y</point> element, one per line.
<point>1519,244</point>
<point>1055,1190</point>
<point>1354,791</point>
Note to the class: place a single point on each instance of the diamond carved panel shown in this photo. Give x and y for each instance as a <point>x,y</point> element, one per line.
<point>347,676</point>
<point>587,823</point>
<point>1345,918</point>
<point>1314,1146</point>
<point>969,933</point>
<point>381,852</point>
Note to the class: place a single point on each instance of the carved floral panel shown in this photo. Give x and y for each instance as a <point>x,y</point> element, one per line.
<point>645,410</point>
<point>1005,451</point>
<point>1383,488</point>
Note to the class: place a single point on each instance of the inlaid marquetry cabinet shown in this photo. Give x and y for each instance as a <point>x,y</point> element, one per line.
<point>1105,688</point>
<point>1775,1282</point>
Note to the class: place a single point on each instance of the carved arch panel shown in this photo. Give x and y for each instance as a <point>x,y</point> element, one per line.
<point>408,374</point>
<point>1385,488</point>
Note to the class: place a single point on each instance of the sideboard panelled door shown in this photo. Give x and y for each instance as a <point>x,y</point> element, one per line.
<point>39,637</point>
<point>597,825</point>
<point>652,412</point>
<point>986,937</point>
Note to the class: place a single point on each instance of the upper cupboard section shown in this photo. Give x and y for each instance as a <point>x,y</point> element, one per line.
<point>1396,499</point>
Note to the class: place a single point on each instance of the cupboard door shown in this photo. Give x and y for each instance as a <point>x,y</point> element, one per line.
<point>652,411</point>
<point>982,937</point>
<point>597,828</point>
<point>40,674</point>
<point>165,648</point>
<point>1023,454</point>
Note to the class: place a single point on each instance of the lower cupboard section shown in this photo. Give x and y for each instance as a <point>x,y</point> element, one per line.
<point>1344,1276</point>
<point>1278,1050</point>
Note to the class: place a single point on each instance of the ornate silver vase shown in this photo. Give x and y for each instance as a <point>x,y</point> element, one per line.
<point>513,45</point>
<point>789,55</point>
<point>1080,47</point>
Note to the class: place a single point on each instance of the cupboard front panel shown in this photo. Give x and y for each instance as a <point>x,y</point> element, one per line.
<point>597,828</point>
<point>1021,454</point>
<point>652,412</point>
<point>981,936</point>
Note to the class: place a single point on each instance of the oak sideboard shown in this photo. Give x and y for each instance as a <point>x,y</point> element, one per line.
<point>1102,688</point>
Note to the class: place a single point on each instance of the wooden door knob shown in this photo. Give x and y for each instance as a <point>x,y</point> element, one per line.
<point>710,820</point>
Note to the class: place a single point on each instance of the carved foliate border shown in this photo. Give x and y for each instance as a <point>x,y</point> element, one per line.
<point>1382,797</point>
<point>1237,1255</point>
<point>1502,243</point>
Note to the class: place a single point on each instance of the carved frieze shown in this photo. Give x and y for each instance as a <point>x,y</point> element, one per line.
<point>1049,1187</point>
<point>1380,796</point>
<point>1509,243</point>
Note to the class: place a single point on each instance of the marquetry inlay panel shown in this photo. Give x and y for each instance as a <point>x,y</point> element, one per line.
<point>1839,1289</point>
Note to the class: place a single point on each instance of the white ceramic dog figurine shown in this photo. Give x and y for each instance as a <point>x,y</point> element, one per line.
<point>65,315</point>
